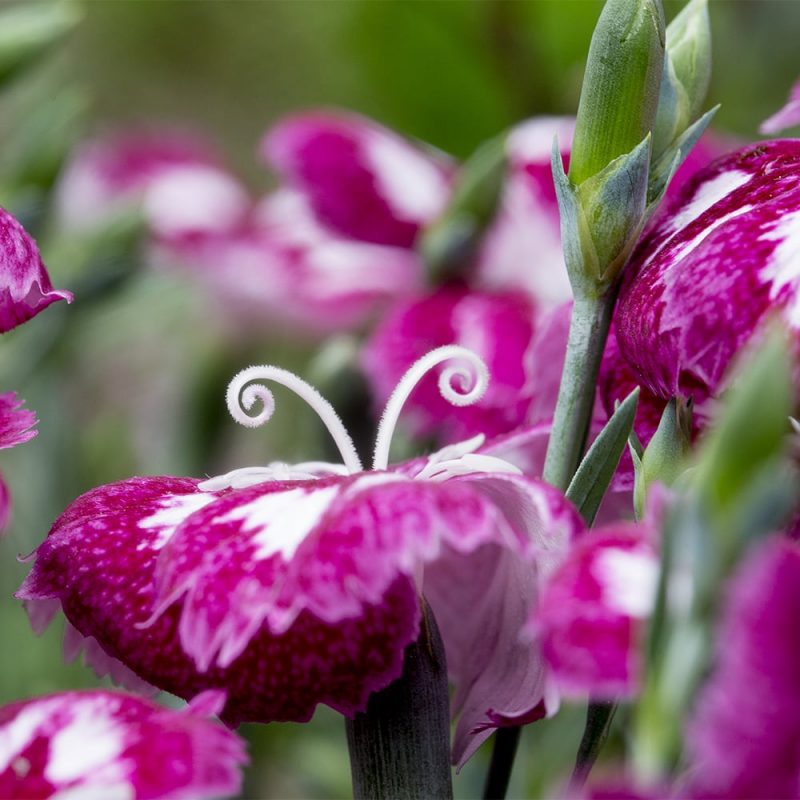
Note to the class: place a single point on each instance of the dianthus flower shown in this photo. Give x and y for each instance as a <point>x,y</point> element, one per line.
<point>289,586</point>
<point>112,745</point>
<point>720,260</point>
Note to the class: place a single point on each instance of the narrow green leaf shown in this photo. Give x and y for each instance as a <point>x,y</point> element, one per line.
<point>595,472</point>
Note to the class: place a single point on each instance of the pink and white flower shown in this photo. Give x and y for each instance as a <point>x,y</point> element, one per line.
<point>25,287</point>
<point>175,179</point>
<point>720,260</point>
<point>289,586</point>
<point>592,612</point>
<point>112,745</point>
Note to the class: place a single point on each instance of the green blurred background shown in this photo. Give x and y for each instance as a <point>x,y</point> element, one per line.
<point>130,379</point>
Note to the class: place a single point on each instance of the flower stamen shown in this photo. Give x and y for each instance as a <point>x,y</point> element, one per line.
<point>243,394</point>
<point>459,384</point>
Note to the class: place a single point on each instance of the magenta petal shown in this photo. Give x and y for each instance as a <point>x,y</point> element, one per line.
<point>16,422</point>
<point>787,117</point>
<point>5,504</point>
<point>719,260</point>
<point>100,743</point>
<point>362,180</point>
<point>744,734</point>
<point>589,618</point>
<point>25,287</point>
<point>498,327</point>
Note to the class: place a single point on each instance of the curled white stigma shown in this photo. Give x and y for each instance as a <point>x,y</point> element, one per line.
<point>243,394</point>
<point>461,384</point>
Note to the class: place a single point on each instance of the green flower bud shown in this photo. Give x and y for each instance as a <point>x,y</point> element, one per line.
<point>621,85</point>
<point>665,457</point>
<point>448,242</point>
<point>687,73</point>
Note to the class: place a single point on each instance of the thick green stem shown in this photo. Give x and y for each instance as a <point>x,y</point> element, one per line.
<point>400,747</point>
<point>588,332</point>
<point>599,716</point>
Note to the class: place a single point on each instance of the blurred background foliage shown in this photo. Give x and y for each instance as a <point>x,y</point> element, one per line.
<point>130,379</point>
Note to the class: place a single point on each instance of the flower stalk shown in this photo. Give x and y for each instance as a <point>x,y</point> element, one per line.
<point>400,746</point>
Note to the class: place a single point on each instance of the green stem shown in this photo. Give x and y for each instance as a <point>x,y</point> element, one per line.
<point>599,716</point>
<point>588,331</point>
<point>400,746</point>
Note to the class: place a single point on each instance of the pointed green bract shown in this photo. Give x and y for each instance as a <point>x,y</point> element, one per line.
<point>591,481</point>
<point>665,457</point>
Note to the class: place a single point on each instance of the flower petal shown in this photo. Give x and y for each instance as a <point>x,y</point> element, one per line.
<point>25,287</point>
<point>722,257</point>
<point>744,734</point>
<point>362,180</point>
<point>787,117</point>
<point>16,422</point>
<point>589,618</point>
<point>101,743</point>
<point>498,327</point>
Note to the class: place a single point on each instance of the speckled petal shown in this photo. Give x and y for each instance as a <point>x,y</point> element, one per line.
<point>723,256</point>
<point>25,287</point>
<point>362,180</point>
<point>106,744</point>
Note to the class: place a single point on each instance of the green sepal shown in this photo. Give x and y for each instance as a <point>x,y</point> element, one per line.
<point>593,477</point>
<point>447,244</point>
<point>614,202</point>
<point>687,74</point>
<point>667,164</point>
<point>665,457</point>
<point>26,31</point>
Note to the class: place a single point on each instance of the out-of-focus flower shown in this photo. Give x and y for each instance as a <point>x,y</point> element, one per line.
<point>521,249</point>
<point>112,745</point>
<point>591,614</point>
<point>787,117</point>
<point>282,267</point>
<point>292,586</point>
<point>744,735</point>
<point>722,259</point>
<point>25,287</point>
<point>498,327</point>
<point>176,180</point>
<point>361,179</point>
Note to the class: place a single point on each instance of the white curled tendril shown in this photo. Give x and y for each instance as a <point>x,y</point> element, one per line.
<point>461,384</point>
<point>243,394</point>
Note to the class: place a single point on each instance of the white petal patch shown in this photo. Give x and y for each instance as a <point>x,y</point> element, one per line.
<point>281,521</point>
<point>175,508</point>
<point>414,188</point>
<point>629,579</point>
<point>89,742</point>
<point>709,194</point>
<point>783,268</point>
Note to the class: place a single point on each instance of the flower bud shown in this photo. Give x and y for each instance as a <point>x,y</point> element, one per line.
<point>687,73</point>
<point>620,86</point>
<point>664,458</point>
